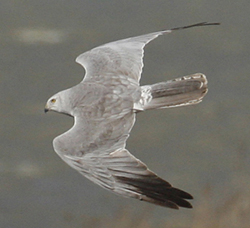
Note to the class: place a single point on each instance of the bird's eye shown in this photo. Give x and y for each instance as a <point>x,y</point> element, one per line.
<point>53,100</point>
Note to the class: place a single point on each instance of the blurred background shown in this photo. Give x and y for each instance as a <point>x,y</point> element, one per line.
<point>201,149</point>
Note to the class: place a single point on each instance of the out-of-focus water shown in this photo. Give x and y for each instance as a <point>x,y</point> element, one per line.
<point>202,149</point>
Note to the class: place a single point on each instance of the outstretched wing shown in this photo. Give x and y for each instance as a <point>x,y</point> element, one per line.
<point>123,57</point>
<point>125,175</point>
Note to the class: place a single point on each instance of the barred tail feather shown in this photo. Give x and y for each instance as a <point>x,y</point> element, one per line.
<point>187,90</point>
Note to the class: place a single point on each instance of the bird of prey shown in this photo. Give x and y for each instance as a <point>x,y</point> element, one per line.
<point>104,105</point>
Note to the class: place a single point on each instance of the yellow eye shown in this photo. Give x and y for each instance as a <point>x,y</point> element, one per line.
<point>53,100</point>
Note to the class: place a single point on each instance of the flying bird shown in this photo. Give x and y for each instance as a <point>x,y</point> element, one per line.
<point>104,106</point>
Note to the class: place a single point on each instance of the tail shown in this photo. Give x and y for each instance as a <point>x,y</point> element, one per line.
<point>187,90</point>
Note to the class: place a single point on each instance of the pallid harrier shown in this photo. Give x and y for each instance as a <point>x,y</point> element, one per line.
<point>104,106</point>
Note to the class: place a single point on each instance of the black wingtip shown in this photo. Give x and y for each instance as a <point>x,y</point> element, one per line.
<point>155,190</point>
<point>197,25</point>
<point>182,194</point>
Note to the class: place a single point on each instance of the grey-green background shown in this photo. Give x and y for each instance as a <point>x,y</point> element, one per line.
<point>202,149</point>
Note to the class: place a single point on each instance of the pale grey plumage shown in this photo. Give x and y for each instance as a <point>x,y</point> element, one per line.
<point>104,106</point>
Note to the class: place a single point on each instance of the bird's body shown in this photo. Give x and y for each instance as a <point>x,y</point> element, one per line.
<point>104,106</point>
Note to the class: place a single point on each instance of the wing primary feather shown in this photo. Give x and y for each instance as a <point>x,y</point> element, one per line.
<point>158,192</point>
<point>196,25</point>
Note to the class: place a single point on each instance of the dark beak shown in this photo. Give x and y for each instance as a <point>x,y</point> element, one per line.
<point>46,110</point>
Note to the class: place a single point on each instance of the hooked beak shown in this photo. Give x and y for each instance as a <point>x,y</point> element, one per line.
<point>46,109</point>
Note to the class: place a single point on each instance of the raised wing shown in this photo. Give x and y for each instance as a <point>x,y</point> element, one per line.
<point>125,175</point>
<point>123,57</point>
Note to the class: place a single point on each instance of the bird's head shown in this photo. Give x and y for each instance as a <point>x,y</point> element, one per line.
<point>53,104</point>
<point>59,103</point>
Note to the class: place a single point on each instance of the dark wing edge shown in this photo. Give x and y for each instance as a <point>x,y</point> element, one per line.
<point>145,184</point>
<point>196,25</point>
<point>125,175</point>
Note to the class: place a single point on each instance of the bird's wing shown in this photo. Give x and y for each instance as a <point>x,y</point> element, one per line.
<point>97,150</point>
<point>123,57</point>
<point>122,173</point>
